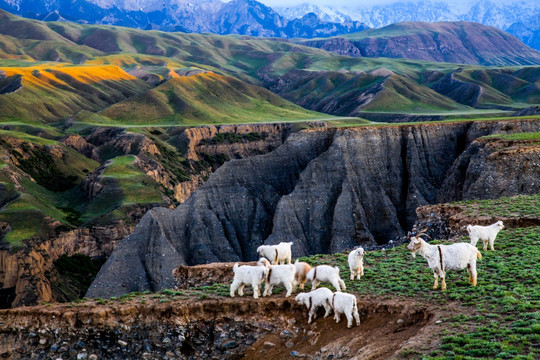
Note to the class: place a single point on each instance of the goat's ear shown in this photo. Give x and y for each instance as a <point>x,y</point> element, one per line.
<point>409,234</point>
<point>356,247</point>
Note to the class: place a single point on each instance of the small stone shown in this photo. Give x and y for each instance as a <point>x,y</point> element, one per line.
<point>32,335</point>
<point>147,347</point>
<point>170,354</point>
<point>229,344</point>
<point>268,344</point>
<point>285,333</point>
<point>294,353</point>
<point>80,344</point>
<point>82,356</point>
<point>93,357</point>
<point>166,340</point>
<point>63,349</point>
<point>54,347</point>
<point>122,343</point>
<point>438,322</point>
<point>146,355</point>
<point>289,344</point>
<point>400,321</point>
<point>42,341</point>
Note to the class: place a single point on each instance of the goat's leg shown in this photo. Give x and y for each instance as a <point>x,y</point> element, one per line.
<point>336,317</point>
<point>470,273</point>
<point>335,284</point>
<point>485,244</point>
<point>289,288</point>
<point>302,284</point>
<point>436,283</point>
<point>491,241</point>
<point>255,287</point>
<point>241,289</point>
<point>474,274</point>
<point>349,317</point>
<point>356,317</point>
<point>234,286</point>
<point>327,309</point>
<point>443,281</point>
<point>353,274</point>
<point>314,284</point>
<point>312,316</point>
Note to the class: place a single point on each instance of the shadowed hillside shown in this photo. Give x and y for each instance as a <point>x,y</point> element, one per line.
<point>454,42</point>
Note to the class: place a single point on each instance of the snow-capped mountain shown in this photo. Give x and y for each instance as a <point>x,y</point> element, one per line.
<point>243,17</point>
<point>521,19</point>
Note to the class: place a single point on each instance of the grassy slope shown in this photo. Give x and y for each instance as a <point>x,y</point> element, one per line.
<point>32,204</point>
<point>207,98</point>
<point>51,92</point>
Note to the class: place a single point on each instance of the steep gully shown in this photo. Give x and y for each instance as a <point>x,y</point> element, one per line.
<point>326,190</point>
<point>27,276</point>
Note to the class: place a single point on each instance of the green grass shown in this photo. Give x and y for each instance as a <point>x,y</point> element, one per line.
<point>525,136</point>
<point>514,206</point>
<point>136,187</point>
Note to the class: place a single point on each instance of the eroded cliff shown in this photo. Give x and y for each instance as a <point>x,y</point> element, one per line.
<point>326,190</point>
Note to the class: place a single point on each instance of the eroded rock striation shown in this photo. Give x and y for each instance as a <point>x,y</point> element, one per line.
<point>326,190</point>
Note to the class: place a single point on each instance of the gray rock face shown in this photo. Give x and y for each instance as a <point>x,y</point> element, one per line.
<point>326,190</point>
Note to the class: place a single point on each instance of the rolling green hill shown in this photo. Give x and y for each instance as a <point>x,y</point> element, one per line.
<point>154,57</point>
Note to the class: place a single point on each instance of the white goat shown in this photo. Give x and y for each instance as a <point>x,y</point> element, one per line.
<point>302,269</point>
<point>314,299</point>
<point>356,262</point>
<point>441,258</point>
<point>248,275</point>
<point>279,274</point>
<point>343,303</point>
<point>484,233</point>
<point>325,273</point>
<point>276,253</point>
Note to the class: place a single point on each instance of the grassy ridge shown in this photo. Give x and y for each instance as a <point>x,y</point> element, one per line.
<point>207,98</point>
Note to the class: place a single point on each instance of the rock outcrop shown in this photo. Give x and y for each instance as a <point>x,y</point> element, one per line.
<point>327,190</point>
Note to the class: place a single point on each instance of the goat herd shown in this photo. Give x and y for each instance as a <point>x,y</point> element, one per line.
<point>272,270</point>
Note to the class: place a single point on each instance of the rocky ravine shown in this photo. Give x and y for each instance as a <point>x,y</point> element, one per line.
<point>26,275</point>
<point>326,190</point>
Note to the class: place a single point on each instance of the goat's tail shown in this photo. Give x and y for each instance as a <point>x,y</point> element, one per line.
<point>337,269</point>
<point>235,267</point>
<point>469,228</point>
<point>478,254</point>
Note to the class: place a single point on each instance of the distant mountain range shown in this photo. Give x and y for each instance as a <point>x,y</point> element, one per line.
<point>249,17</point>
<point>242,17</point>
<point>521,19</point>
<point>455,42</point>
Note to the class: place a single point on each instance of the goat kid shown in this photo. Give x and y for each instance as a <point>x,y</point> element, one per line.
<point>484,233</point>
<point>276,254</point>
<point>356,262</point>
<point>325,273</point>
<point>343,303</point>
<point>248,275</point>
<point>315,299</point>
<point>280,274</point>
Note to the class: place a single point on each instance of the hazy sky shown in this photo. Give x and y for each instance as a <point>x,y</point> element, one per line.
<point>360,3</point>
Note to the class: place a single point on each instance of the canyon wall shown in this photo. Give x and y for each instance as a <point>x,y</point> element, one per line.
<point>326,190</point>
